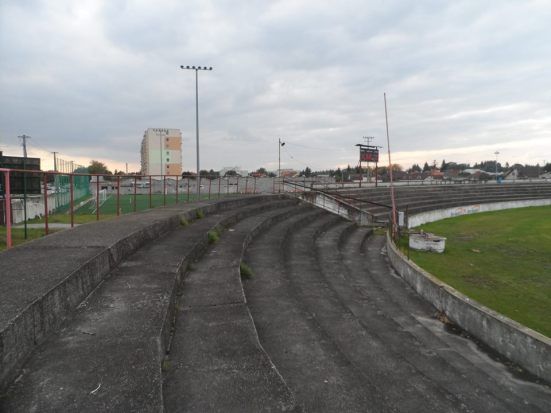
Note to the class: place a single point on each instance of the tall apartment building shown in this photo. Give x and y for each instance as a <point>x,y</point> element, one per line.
<point>162,152</point>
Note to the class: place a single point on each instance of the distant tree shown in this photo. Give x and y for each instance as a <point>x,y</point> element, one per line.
<point>272,174</point>
<point>97,167</point>
<point>426,167</point>
<point>231,173</point>
<point>307,172</point>
<point>262,171</point>
<point>415,168</point>
<point>443,165</point>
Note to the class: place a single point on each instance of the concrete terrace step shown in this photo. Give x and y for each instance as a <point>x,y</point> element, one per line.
<point>326,313</point>
<point>108,358</point>
<point>216,362</point>
<point>406,326</point>
<point>314,368</point>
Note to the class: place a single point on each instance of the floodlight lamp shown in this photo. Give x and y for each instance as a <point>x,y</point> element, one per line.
<point>210,68</point>
<point>193,67</point>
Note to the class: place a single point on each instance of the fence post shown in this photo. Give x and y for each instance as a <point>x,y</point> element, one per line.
<point>46,204</point>
<point>219,183</point>
<point>7,199</point>
<point>118,194</point>
<point>135,190</point>
<point>210,183</point>
<point>188,189</point>
<point>254,187</point>
<point>150,188</point>
<point>164,190</point>
<point>72,200</point>
<point>97,197</point>
<point>199,186</point>
<point>237,187</point>
<point>177,188</point>
<point>246,184</point>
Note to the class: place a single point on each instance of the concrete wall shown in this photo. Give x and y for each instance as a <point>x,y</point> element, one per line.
<point>524,346</point>
<point>438,214</point>
<point>342,209</point>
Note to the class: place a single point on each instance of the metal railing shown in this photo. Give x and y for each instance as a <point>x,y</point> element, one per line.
<point>59,200</point>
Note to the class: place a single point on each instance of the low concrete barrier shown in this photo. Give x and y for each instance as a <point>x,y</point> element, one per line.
<point>438,214</point>
<point>524,346</point>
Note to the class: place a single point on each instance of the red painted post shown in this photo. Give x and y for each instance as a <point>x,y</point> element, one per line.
<point>72,201</point>
<point>210,183</point>
<point>118,195</point>
<point>135,193</point>
<point>150,204</point>
<point>7,198</point>
<point>164,190</point>
<point>177,188</point>
<point>46,204</point>
<point>97,197</point>
<point>188,188</point>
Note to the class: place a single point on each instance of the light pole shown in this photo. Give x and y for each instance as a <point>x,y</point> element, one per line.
<point>197,68</point>
<point>496,153</point>
<point>279,145</point>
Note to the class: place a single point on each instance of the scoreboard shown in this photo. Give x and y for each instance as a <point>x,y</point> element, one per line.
<point>369,154</point>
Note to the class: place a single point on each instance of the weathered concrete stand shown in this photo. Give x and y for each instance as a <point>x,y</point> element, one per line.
<point>42,282</point>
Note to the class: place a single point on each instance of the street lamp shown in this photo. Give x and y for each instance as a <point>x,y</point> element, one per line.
<point>496,153</point>
<point>280,144</point>
<point>197,68</point>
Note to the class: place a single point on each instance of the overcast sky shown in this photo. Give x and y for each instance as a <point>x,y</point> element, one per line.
<point>463,79</point>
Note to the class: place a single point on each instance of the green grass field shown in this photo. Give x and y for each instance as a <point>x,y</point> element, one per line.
<point>501,259</point>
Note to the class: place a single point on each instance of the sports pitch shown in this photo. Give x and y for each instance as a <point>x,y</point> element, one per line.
<point>501,259</point>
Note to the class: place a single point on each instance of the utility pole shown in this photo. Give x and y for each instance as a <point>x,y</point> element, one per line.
<point>55,160</point>
<point>24,144</point>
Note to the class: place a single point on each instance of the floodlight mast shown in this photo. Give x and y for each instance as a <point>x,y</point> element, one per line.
<point>197,68</point>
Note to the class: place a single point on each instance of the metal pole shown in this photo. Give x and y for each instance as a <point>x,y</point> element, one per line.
<point>210,183</point>
<point>135,190</point>
<point>119,193</point>
<point>197,128</point>
<point>394,229</point>
<point>71,202</point>
<point>97,197</point>
<point>45,204</point>
<point>177,188</point>
<point>219,183</point>
<point>150,188</point>
<point>25,194</point>
<point>7,198</point>
<point>164,190</point>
